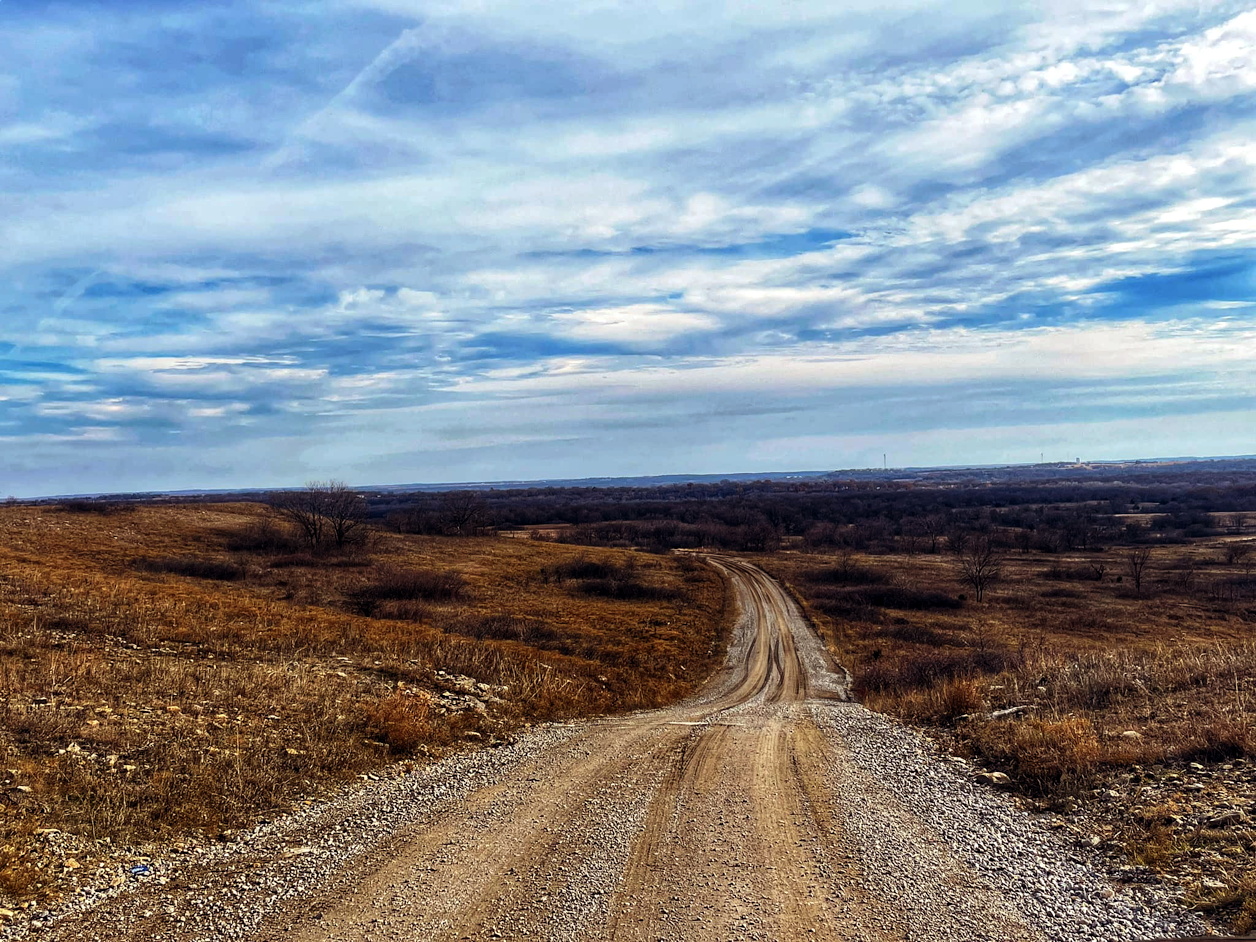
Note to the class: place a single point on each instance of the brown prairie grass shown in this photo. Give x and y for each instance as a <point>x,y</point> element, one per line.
<point>1177,666</point>
<point>144,694</point>
<point>1102,684</point>
<point>1238,898</point>
<point>1043,756</point>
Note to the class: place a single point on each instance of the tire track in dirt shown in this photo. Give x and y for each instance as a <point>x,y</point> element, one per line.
<point>765,808</point>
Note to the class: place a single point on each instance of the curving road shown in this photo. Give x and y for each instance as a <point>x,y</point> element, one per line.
<point>767,807</point>
<point>707,820</point>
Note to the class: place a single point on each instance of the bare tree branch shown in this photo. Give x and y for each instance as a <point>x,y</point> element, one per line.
<point>981,565</point>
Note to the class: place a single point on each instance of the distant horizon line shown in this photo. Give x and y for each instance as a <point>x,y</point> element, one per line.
<point>649,479</point>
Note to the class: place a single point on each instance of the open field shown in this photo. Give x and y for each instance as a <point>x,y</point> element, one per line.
<point>1136,709</point>
<point>766,807</point>
<point>158,683</point>
<point>1115,650</point>
<point>172,673</point>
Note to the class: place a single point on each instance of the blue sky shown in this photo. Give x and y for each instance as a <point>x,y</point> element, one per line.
<point>250,244</point>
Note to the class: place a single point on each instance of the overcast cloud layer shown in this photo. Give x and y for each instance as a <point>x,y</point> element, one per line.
<point>253,243</point>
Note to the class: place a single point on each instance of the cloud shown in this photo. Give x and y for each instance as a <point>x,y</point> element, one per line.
<point>463,239</point>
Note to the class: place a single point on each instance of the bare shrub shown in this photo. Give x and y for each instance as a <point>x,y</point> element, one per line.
<point>193,566</point>
<point>584,568</point>
<point>407,585</point>
<point>626,589</point>
<point>608,579</point>
<point>308,560</point>
<point>1062,573</point>
<point>402,610</point>
<point>849,574</point>
<point>916,634</point>
<point>262,535</point>
<point>1085,622</point>
<point>858,602</point>
<point>502,626</point>
<point>926,670</point>
<point>99,506</point>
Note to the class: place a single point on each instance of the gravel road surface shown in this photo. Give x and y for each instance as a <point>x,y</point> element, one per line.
<point>768,807</point>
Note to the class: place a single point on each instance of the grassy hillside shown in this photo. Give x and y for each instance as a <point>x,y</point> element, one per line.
<point>184,669</point>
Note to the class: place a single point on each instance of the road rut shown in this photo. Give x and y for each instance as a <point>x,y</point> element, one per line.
<point>766,807</point>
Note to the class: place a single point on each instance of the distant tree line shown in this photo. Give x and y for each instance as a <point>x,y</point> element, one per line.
<point>871,516</point>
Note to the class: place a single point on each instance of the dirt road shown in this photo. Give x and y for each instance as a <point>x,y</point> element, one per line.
<point>765,808</point>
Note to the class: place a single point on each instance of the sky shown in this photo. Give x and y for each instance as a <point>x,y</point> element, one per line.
<point>251,244</point>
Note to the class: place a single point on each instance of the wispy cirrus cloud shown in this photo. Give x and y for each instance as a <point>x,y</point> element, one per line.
<point>397,240</point>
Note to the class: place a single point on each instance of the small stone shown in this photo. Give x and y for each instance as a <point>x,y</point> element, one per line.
<point>997,779</point>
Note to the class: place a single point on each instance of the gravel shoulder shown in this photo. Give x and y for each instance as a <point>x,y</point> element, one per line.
<point>767,807</point>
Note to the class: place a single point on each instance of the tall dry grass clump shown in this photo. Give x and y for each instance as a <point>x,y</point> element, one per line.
<point>1045,757</point>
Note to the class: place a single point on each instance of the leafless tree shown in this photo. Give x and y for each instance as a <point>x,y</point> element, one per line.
<point>819,536</point>
<point>913,530</point>
<point>1024,539</point>
<point>1236,552</point>
<point>844,556</point>
<point>981,564</point>
<point>1048,539</point>
<point>346,514</point>
<point>1136,560</point>
<point>935,529</point>
<point>760,537</point>
<point>958,539</point>
<point>324,513</point>
<point>1241,555</point>
<point>463,512</point>
<point>301,509</point>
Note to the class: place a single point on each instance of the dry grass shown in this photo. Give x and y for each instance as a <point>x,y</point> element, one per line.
<point>1178,665</point>
<point>154,681</point>
<point>1103,685</point>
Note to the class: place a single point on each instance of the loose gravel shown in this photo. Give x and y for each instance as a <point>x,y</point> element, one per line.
<point>759,815</point>
<point>1053,886</point>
